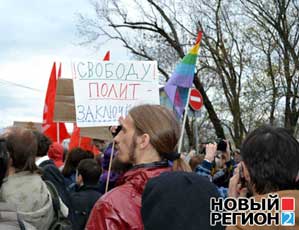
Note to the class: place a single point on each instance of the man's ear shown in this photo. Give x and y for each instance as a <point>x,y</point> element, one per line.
<point>245,172</point>
<point>143,140</point>
<point>79,180</point>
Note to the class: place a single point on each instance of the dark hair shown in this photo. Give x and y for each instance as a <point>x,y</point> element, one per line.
<point>73,159</point>
<point>90,171</point>
<point>22,147</point>
<point>163,128</point>
<point>4,157</point>
<point>43,143</point>
<point>196,160</point>
<point>272,158</point>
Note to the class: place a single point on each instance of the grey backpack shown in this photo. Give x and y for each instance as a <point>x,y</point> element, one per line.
<point>59,221</point>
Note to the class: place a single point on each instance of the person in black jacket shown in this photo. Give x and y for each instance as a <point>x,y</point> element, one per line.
<point>43,144</point>
<point>49,171</point>
<point>87,193</point>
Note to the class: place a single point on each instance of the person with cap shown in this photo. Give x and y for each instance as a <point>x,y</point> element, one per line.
<point>55,153</point>
<point>178,201</point>
<point>148,139</point>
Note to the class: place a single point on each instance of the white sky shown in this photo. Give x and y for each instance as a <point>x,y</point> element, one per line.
<point>34,34</point>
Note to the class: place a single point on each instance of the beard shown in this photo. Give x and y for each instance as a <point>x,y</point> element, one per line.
<point>132,149</point>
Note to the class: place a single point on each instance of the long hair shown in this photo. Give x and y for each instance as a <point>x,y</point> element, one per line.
<point>22,147</point>
<point>163,129</point>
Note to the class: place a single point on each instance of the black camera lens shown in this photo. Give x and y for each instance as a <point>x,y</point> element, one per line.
<point>221,145</point>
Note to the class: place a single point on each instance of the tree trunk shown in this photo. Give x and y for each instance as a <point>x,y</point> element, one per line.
<point>210,109</point>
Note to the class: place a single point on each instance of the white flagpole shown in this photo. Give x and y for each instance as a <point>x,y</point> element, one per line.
<point>58,133</point>
<point>184,122</point>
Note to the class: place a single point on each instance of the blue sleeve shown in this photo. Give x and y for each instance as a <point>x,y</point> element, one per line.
<point>223,191</point>
<point>204,169</point>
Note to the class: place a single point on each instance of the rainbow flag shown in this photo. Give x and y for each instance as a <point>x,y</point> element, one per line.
<point>177,87</point>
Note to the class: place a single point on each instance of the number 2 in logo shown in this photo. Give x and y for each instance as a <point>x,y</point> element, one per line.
<point>287,218</point>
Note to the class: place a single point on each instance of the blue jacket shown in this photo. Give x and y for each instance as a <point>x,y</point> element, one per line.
<point>205,169</point>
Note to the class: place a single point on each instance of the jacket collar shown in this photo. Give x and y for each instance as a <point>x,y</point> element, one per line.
<point>140,174</point>
<point>152,165</point>
<point>88,187</point>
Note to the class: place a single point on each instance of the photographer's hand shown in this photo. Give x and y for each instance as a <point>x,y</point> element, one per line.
<point>227,153</point>
<point>234,189</point>
<point>210,152</point>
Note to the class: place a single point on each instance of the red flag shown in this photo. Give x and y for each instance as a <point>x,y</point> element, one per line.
<point>49,127</point>
<point>59,71</point>
<point>82,142</point>
<point>63,134</point>
<point>50,99</point>
<point>107,56</point>
<point>51,131</point>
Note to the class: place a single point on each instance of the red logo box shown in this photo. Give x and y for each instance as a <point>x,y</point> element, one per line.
<point>287,204</point>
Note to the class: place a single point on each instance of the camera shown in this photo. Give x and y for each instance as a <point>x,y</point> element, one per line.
<point>221,145</point>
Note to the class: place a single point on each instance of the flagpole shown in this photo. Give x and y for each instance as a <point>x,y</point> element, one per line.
<point>184,122</point>
<point>58,133</point>
<point>109,169</point>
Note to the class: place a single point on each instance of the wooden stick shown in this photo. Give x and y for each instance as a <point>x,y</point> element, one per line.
<point>58,132</point>
<point>109,169</point>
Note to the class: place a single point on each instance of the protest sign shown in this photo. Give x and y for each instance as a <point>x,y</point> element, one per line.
<point>102,133</point>
<point>106,90</point>
<point>64,101</point>
<point>28,125</point>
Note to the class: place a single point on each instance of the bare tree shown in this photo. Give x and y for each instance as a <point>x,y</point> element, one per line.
<point>155,34</point>
<point>279,18</point>
<point>225,58</point>
<point>249,56</point>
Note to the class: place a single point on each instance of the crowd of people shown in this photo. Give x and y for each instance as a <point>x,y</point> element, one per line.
<point>151,186</point>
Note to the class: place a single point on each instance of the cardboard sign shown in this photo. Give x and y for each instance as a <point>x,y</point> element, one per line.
<point>104,91</point>
<point>28,125</point>
<point>64,110</point>
<point>101,133</point>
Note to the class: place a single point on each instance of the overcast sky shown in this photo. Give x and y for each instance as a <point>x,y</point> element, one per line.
<point>35,33</point>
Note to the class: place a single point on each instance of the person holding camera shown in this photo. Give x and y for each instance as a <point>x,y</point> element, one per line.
<point>217,165</point>
<point>269,165</point>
